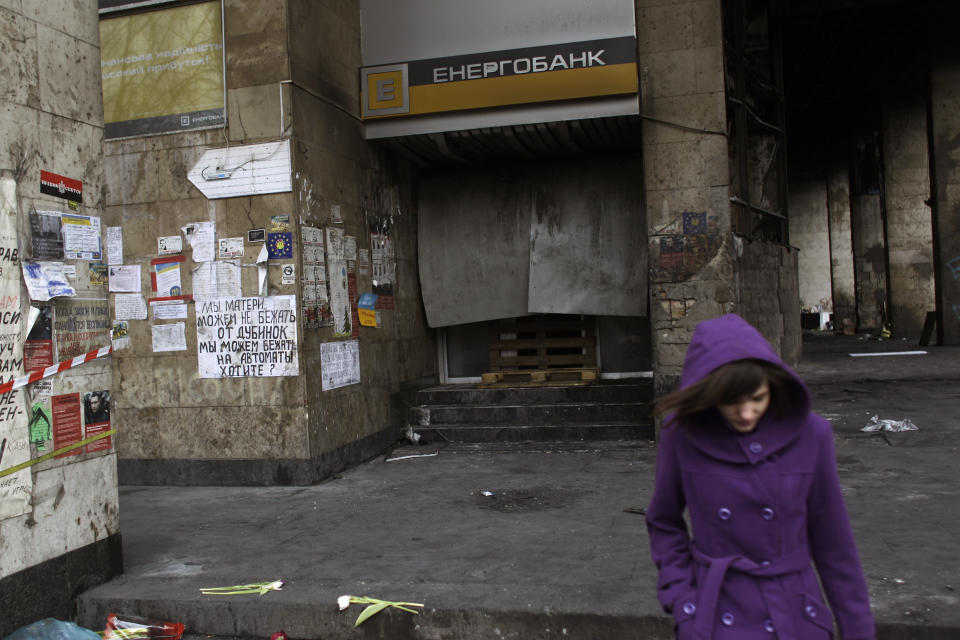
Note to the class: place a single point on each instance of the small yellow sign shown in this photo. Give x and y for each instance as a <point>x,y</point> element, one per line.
<point>368,317</point>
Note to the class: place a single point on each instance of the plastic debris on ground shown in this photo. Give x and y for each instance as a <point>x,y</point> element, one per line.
<point>126,627</point>
<point>259,588</point>
<point>374,606</point>
<point>52,629</point>
<point>889,425</point>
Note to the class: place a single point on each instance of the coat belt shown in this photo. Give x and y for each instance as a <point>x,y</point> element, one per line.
<point>798,560</point>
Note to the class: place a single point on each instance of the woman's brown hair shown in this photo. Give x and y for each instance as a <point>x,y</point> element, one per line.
<point>727,385</point>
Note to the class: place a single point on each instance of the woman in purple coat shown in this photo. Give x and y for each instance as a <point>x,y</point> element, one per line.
<point>742,452</point>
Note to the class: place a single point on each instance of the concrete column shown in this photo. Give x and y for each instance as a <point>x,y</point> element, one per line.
<point>909,227</point>
<point>945,113</point>
<point>869,260</point>
<point>810,232</point>
<point>841,246</point>
<point>680,49</point>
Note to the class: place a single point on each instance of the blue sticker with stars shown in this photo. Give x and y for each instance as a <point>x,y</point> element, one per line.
<point>280,245</point>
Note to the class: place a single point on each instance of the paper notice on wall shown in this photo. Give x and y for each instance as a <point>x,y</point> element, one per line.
<point>214,280</point>
<point>169,311</point>
<point>38,347</point>
<point>316,305</point>
<point>231,248</point>
<point>364,261</point>
<point>96,419</point>
<point>114,245</point>
<point>339,364</point>
<point>247,337</point>
<point>124,278</point>
<point>80,325</point>
<point>98,274</point>
<point>228,278</point>
<point>169,245</point>
<point>169,337</point>
<point>46,235</point>
<point>337,281</point>
<point>120,335</point>
<point>67,425</point>
<point>45,280</point>
<point>81,237</point>
<point>42,388</point>
<point>384,264</point>
<point>15,488</point>
<point>366,309</point>
<point>201,237</point>
<point>167,275</point>
<point>129,306</point>
<point>349,248</point>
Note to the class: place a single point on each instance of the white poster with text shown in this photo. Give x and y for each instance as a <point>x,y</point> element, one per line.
<point>247,337</point>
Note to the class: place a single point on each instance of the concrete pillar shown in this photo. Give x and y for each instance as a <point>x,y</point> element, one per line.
<point>870,261</point>
<point>810,233</point>
<point>945,114</point>
<point>841,247</point>
<point>909,230</point>
<point>680,52</point>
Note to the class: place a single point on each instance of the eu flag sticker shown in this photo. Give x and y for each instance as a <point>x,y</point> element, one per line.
<point>280,245</point>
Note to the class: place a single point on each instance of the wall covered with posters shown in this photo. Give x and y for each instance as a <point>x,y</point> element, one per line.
<point>244,359</point>
<point>59,510</point>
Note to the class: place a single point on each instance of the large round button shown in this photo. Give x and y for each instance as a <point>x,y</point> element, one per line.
<point>810,610</point>
<point>756,447</point>
<point>723,513</point>
<point>689,608</point>
<point>768,626</point>
<point>767,513</point>
<point>727,619</point>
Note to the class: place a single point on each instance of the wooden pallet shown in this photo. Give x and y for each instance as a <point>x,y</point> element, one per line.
<point>539,377</point>
<point>542,342</point>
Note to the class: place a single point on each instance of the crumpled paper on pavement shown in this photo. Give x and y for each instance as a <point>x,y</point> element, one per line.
<point>889,425</point>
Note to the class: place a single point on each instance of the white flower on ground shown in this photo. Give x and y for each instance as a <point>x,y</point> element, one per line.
<point>343,602</point>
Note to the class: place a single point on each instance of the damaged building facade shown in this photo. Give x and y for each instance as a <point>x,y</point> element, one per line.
<point>307,210</point>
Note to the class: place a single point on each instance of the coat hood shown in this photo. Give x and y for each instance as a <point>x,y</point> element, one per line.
<point>724,340</point>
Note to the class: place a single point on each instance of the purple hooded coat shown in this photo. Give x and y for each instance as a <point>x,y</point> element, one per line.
<point>763,506</point>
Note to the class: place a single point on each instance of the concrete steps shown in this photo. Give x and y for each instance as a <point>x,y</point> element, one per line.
<point>464,413</point>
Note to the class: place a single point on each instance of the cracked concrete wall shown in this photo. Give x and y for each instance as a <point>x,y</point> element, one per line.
<point>336,167</point>
<point>51,118</point>
<point>841,246</point>
<point>291,73</point>
<point>870,261</point>
<point>909,226</point>
<point>168,417</point>
<point>767,290</point>
<point>810,233</point>
<point>685,173</point>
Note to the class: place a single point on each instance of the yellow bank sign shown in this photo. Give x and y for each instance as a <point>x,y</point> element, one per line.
<point>546,73</point>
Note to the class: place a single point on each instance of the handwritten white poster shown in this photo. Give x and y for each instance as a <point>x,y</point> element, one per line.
<point>169,337</point>
<point>247,337</point>
<point>114,245</point>
<point>339,364</point>
<point>15,488</point>
<point>129,306</point>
